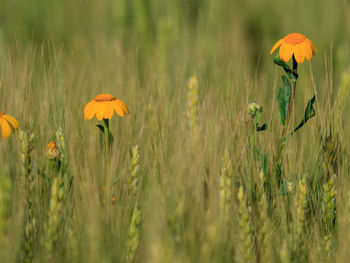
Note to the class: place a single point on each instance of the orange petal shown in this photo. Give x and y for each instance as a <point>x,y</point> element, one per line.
<point>12,121</point>
<point>118,108</point>
<point>308,51</point>
<point>104,110</point>
<point>100,110</point>
<point>90,110</point>
<point>108,113</point>
<point>124,107</point>
<point>299,53</point>
<point>286,52</point>
<point>5,128</point>
<point>312,45</point>
<point>279,42</point>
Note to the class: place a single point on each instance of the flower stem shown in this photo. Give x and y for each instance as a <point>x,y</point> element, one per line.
<point>107,142</point>
<point>289,112</point>
<point>107,134</point>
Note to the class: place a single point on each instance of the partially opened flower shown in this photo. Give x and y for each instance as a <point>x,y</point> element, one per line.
<point>7,123</point>
<point>52,151</point>
<point>295,44</point>
<point>104,105</point>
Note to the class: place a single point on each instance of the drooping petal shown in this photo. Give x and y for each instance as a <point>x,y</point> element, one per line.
<point>118,108</point>
<point>286,52</point>
<point>124,107</point>
<point>100,110</point>
<point>12,121</point>
<point>109,109</point>
<point>312,45</point>
<point>5,128</point>
<point>279,42</point>
<point>90,110</point>
<point>299,53</point>
<point>307,51</point>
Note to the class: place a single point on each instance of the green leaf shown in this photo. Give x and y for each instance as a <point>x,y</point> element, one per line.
<point>283,98</point>
<point>102,129</point>
<point>309,113</point>
<point>278,171</point>
<point>292,75</point>
<point>278,61</point>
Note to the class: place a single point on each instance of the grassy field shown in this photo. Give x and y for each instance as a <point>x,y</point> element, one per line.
<point>189,179</point>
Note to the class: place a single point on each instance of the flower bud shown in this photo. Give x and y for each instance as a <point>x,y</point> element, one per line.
<point>254,107</point>
<point>52,151</point>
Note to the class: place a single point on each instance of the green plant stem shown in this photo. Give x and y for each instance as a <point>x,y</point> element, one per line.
<point>107,134</point>
<point>107,142</point>
<point>289,112</point>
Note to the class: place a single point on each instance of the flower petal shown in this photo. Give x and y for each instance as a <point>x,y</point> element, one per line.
<point>312,45</point>
<point>90,110</point>
<point>108,113</point>
<point>299,53</point>
<point>118,108</point>
<point>286,52</point>
<point>5,128</point>
<point>279,42</point>
<point>100,110</point>
<point>12,121</point>
<point>308,51</point>
<point>124,107</point>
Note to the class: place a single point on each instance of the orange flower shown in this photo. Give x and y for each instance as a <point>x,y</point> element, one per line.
<point>7,123</point>
<point>103,105</point>
<point>52,151</point>
<point>296,44</point>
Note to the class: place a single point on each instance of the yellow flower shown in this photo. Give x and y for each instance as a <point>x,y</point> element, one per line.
<point>52,151</point>
<point>7,123</point>
<point>296,44</point>
<point>103,105</point>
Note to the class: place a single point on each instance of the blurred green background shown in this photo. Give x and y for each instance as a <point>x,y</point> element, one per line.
<point>171,28</point>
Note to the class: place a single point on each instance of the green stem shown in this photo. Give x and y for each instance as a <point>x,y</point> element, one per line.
<point>107,142</point>
<point>107,134</point>
<point>289,112</point>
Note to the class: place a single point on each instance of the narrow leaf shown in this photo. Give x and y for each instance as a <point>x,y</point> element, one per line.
<point>292,75</point>
<point>309,113</point>
<point>278,171</point>
<point>283,98</point>
<point>102,129</point>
